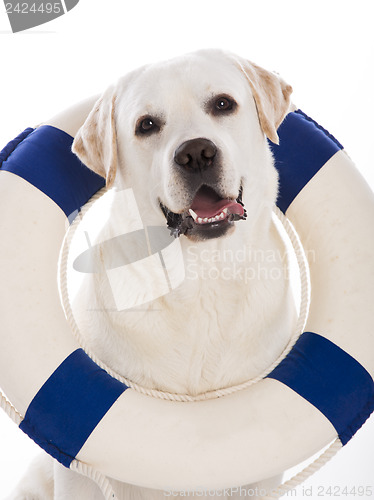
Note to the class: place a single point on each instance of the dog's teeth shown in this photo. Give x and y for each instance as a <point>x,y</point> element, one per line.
<point>204,220</point>
<point>193,214</point>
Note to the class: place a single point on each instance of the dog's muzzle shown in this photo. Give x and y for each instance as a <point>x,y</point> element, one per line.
<point>209,215</point>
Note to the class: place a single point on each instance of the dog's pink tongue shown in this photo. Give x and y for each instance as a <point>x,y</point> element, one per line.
<point>207,203</point>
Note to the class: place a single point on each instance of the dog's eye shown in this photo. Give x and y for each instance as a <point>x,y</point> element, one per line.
<point>146,125</point>
<point>221,105</point>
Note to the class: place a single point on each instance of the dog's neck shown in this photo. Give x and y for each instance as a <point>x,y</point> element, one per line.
<point>225,323</point>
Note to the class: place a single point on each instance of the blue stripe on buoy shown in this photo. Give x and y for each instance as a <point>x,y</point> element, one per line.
<point>304,148</point>
<point>43,157</point>
<point>69,406</point>
<point>331,380</point>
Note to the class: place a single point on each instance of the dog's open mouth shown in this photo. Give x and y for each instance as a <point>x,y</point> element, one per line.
<point>209,215</point>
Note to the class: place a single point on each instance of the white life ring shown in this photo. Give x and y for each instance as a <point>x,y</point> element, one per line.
<point>77,412</point>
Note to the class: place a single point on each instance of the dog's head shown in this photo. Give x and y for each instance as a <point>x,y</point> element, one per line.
<point>189,137</point>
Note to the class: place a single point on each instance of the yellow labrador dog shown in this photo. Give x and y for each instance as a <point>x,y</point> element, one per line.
<point>189,138</point>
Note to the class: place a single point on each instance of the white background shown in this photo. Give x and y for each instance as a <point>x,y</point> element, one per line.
<point>325,49</point>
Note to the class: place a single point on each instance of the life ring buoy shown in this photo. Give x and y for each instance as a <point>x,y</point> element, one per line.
<point>75,411</point>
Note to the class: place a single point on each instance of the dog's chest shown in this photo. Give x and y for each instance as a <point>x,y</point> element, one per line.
<point>204,335</point>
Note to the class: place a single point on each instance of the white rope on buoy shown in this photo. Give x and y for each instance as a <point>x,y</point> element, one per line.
<point>96,476</point>
<point>9,409</point>
<point>306,473</point>
<point>303,314</point>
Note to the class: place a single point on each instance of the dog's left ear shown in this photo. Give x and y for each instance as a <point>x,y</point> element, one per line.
<point>271,94</point>
<point>95,143</point>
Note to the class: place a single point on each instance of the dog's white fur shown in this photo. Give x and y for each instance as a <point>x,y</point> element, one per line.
<point>210,332</point>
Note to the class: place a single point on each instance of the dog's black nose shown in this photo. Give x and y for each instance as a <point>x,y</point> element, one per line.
<point>195,154</point>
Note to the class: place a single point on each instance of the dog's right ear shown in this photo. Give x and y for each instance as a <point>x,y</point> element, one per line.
<point>95,143</point>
